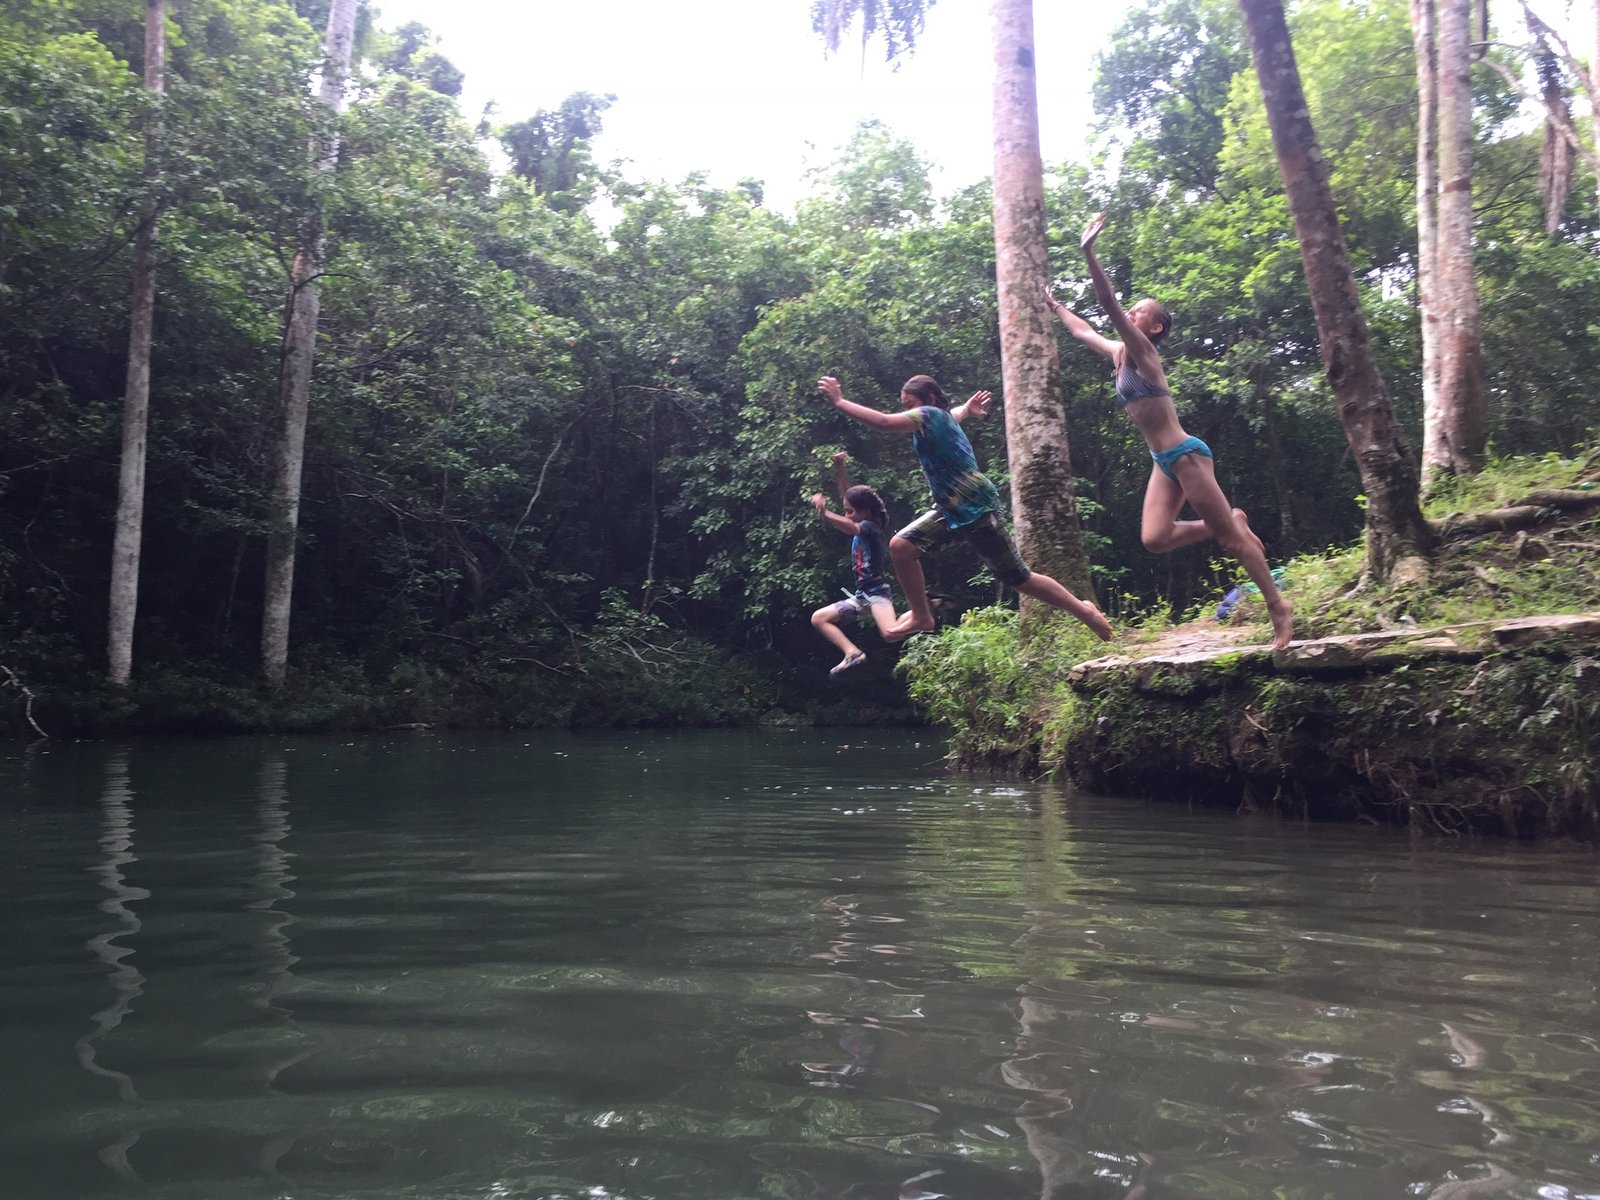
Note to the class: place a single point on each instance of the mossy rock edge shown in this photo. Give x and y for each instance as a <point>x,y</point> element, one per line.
<point>1489,727</point>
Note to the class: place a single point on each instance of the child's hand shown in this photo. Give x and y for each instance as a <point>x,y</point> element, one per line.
<point>829,387</point>
<point>1050,297</point>
<point>819,502</point>
<point>840,457</point>
<point>978,403</point>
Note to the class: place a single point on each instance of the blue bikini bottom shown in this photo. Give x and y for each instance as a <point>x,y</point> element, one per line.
<point>1165,458</point>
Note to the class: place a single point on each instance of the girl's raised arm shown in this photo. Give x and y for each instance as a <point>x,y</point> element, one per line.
<point>842,523</point>
<point>841,475</point>
<point>1077,326</point>
<point>1145,358</point>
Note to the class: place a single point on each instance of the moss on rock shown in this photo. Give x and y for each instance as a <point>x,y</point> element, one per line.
<point>1419,731</point>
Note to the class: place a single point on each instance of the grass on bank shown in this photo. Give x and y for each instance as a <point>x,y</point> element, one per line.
<point>1544,570</point>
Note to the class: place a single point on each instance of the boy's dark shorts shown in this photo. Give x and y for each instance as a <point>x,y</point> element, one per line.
<point>985,535</point>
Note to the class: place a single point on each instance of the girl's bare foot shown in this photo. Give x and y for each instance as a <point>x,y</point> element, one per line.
<point>1282,614</point>
<point>1280,610</point>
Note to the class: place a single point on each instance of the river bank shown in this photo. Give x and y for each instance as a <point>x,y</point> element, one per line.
<point>1489,726</point>
<point>1469,704</point>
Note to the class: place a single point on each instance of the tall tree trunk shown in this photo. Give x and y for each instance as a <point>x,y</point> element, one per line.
<point>1044,508</point>
<point>1424,40</point>
<point>648,598</point>
<point>1398,538</point>
<point>299,350</point>
<point>124,600</point>
<point>1455,441</point>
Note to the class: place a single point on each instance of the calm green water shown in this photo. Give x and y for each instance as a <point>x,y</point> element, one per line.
<point>716,965</point>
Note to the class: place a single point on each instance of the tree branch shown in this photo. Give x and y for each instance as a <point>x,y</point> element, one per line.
<point>538,489</point>
<point>1561,124</point>
<point>1543,30</point>
<point>11,680</point>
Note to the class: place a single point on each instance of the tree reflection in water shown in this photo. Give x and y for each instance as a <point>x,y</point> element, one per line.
<point>271,887</point>
<point>127,982</point>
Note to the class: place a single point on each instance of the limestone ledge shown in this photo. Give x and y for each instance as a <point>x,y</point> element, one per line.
<point>1486,726</point>
<point>1200,665</point>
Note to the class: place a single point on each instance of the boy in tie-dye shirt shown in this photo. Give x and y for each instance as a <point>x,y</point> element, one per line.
<point>965,503</point>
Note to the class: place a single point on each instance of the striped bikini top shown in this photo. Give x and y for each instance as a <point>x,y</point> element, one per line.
<point>1133,386</point>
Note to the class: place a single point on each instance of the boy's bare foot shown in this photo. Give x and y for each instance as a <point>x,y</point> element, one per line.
<point>1282,614</point>
<point>906,626</point>
<point>854,659</point>
<point>1240,516</point>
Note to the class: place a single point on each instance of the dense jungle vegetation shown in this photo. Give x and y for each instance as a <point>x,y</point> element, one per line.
<point>564,422</point>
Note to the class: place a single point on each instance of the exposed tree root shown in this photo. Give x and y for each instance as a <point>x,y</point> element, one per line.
<point>1536,508</point>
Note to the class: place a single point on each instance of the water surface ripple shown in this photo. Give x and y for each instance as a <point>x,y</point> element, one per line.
<point>710,966</point>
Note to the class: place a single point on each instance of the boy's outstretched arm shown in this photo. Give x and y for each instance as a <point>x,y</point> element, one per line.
<point>889,422</point>
<point>976,405</point>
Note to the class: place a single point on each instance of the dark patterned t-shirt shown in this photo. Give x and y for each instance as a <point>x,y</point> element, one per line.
<point>869,551</point>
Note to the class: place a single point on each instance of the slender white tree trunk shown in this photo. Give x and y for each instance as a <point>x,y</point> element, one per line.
<point>1455,442</point>
<point>1044,509</point>
<point>1424,41</point>
<point>124,600</point>
<point>1594,94</point>
<point>299,350</point>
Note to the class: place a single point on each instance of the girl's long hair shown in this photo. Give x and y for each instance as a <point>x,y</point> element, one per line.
<point>1166,321</point>
<point>926,390</point>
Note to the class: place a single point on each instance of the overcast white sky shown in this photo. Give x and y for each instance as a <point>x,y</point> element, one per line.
<point>741,88</point>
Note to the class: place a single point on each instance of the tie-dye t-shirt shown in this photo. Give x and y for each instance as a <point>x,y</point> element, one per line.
<point>960,491</point>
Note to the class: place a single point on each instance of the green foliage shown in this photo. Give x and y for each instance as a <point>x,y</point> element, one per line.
<point>1536,572</point>
<point>413,52</point>
<point>551,150</point>
<point>879,182</point>
<point>897,22</point>
<point>642,673</point>
<point>1506,479</point>
<point>968,679</point>
<point>996,681</point>
<point>1165,78</point>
